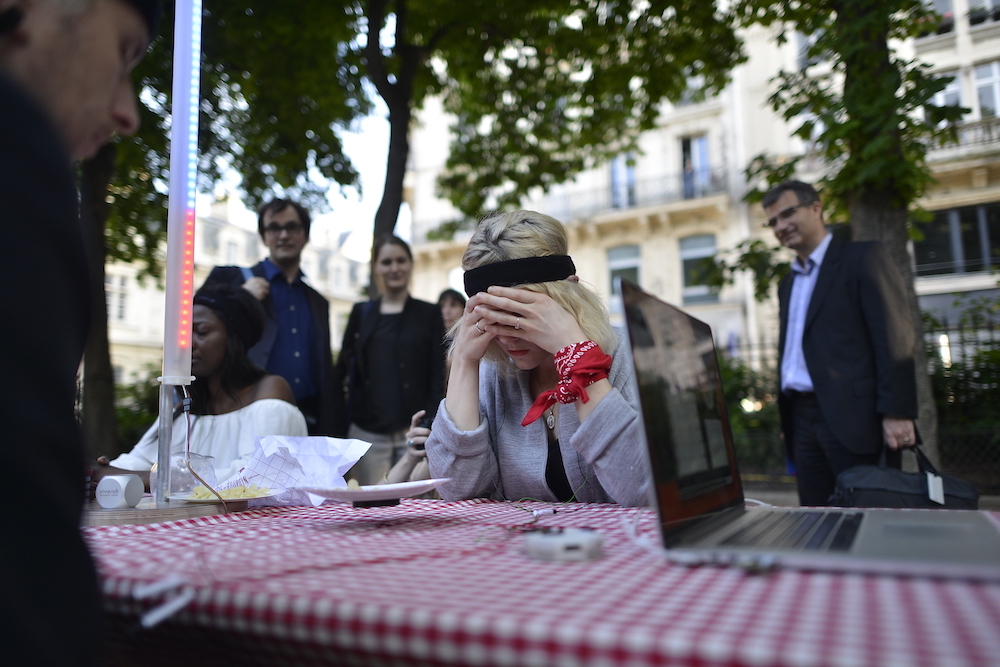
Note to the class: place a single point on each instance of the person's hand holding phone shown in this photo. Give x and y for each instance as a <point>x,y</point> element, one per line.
<point>416,455</point>
<point>420,429</point>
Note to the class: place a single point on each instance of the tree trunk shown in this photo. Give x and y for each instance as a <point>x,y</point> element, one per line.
<point>100,422</point>
<point>872,220</point>
<point>392,194</point>
<point>397,92</point>
<point>399,152</point>
<point>878,202</point>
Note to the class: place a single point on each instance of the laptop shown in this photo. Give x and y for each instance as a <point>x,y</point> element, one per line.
<point>697,492</point>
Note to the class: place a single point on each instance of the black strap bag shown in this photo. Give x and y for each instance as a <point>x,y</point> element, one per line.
<point>882,486</point>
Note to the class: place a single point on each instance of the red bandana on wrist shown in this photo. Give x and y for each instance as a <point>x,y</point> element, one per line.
<point>579,365</point>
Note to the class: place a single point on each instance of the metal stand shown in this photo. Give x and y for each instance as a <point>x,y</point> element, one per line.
<point>162,490</point>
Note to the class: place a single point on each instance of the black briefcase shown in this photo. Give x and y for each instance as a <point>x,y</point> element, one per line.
<point>882,486</point>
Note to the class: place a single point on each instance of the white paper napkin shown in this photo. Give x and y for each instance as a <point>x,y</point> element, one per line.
<point>281,463</point>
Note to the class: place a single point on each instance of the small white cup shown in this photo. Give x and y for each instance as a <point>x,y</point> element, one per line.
<point>116,492</point>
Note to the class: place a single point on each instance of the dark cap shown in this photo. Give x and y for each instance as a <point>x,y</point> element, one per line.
<point>151,11</point>
<point>237,308</point>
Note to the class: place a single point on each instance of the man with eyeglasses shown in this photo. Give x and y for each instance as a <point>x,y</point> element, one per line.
<point>847,383</point>
<point>296,340</point>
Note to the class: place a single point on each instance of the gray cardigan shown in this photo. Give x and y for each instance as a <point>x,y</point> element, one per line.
<point>604,458</point>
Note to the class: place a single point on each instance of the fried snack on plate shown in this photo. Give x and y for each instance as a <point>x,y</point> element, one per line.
<point>353,484</point>
<point>237,492</point>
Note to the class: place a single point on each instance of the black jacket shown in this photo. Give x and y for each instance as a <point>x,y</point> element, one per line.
<point>421,363</point>
<point>260,353</point>
<point>51,602</point>
<point>858,345</point>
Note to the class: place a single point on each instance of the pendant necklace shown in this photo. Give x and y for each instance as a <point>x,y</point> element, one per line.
<point>550,417</point>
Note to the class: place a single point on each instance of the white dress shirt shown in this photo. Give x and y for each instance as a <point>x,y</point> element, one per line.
<point>794,373</point>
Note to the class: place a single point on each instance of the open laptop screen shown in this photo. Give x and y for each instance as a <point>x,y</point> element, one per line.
<point>684,414</point>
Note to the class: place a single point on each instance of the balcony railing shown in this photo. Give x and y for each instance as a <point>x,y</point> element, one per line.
<point>981,134</point>
<point>576,203</point>
<point>978,133</point>
<point>973,137</point>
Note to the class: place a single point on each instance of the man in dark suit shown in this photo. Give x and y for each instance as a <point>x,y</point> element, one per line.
<point>296,341</point>
<point>65,90</point>
<point>847,380</point>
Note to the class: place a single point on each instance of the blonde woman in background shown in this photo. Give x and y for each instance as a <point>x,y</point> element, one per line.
<point>412,466</point>
<point>391,362</point>
<point>540,401</point>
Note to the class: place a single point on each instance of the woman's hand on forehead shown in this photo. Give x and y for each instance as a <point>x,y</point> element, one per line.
<point>503,303</point>
<point>533,316</point>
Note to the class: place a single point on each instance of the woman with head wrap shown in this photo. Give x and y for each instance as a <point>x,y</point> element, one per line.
<point>233,402</point>
<point>540,401</point>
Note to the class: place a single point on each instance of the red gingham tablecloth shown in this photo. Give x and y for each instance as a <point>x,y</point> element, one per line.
<point>438,583</point>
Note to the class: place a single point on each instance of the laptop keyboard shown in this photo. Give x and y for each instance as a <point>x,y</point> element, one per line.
<point>807,530</point>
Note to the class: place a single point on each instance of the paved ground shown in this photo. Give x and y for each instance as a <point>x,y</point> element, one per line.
<point>785,495</point>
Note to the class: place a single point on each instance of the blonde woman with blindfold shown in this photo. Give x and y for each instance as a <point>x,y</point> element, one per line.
<point>540,401</point>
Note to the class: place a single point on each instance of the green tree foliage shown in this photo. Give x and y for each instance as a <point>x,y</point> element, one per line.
<point>278,80</point>
<point>137,406</point>
<point>753,415</point>
<point>540,90</point>
<point>870,112</point>
<point>754,256</point>
<point>546,94</point>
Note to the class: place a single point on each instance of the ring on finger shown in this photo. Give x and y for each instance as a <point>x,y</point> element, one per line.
<point>517,325</point>
<point>479,328</point>
<point>409,443</point>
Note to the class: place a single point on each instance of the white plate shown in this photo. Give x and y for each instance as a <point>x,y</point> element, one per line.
<point>376,491</point>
